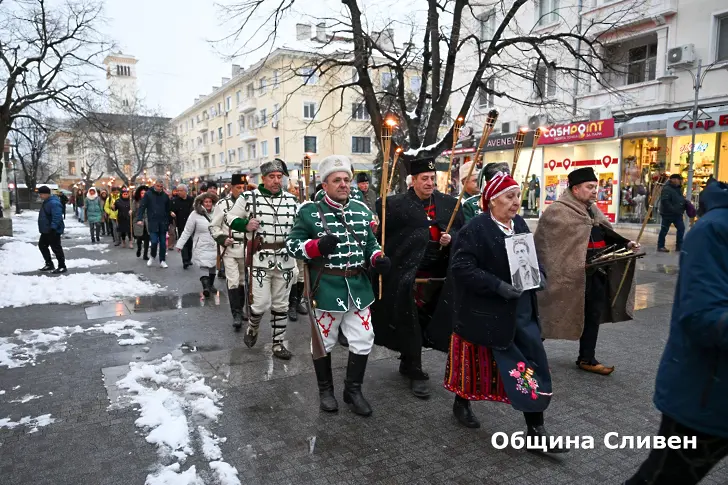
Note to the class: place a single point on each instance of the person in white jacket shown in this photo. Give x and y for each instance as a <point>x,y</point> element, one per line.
<point>204,248</point>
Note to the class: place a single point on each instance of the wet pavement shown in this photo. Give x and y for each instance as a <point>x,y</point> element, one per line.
<point>270,417</point>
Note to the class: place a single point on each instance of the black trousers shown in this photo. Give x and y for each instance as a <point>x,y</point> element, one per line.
<point>595,299</point>
<point>683,466</point>
<point>187,252</point>
<point>145,240</point>
<point>53,240</point>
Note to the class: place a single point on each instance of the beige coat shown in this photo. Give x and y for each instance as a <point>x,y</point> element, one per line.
<point>561,241</point>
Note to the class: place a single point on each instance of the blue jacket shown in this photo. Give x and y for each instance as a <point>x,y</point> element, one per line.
<point>692,380</point>
<point>157,207</point>
<point>50,217</point>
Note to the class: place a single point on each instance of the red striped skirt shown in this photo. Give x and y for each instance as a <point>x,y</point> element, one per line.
<point>472,373</point>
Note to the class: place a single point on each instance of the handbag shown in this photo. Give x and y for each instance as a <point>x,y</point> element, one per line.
<point>690,210</point>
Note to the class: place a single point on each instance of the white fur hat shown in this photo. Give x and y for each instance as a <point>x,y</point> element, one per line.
<point>334,163</point>
<point>466,168</point>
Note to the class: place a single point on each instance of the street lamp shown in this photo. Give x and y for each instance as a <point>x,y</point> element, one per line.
<point>698,79</point>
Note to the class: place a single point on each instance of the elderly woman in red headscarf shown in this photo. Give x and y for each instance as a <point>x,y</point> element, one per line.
<point>496,352</point>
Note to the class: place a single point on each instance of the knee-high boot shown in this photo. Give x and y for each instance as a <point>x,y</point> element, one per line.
<point>355,370</point>
<point>251,333</point>
<point>278,324</point>
<point>293,303</point>
<point>302,306</point>
<point>325,379</point>
<point>236,308</point>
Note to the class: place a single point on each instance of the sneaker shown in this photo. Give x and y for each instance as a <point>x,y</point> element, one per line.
<point>163,264</point>
<point>150,263</point>
<point>60,270</point>
<point>663,250</point>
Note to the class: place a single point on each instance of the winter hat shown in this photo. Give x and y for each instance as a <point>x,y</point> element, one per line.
<point>334,163</point>
<point>422,166</point>
<point>498,185</point>
<point>237,179</point>
<point>465,169</point>
<point>44,190</point>
<point>91,196</point>
<point>362,177</point>
<point>276,165</point>
<point>582,175</point>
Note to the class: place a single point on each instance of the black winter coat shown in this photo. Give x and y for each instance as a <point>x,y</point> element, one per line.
<point>157,207</point>
<point>398,323</point>
<point>672,201</point>
<point>182,209</point>
<point>479,264</point>
<point>123,206</point>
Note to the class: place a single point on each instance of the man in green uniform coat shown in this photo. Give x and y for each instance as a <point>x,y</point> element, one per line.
<point>334,236</point>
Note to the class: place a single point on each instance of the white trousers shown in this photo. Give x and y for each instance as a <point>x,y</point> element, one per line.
<point>234,271</point>
<point>357,326</point>
<point>271,288</point>
<point>299,267</point>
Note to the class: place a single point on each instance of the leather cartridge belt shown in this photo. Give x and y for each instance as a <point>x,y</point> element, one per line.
<point>346,273</point>
<point>274,246</point>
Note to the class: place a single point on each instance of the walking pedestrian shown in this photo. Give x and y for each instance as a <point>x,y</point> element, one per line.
<point>204,251</point>
<point>64,201</point>
<point>105,223</point>
<point>157,208</point>
<point>297,302</point>
<point>690,389</point>
<point>323,235</point>
<point>140,232</point>
<point>51,226</point>
<point>113,215</point>
<point>268,212</point>
<point>672,209</point>
<point>181,209</point>
<point>471,197</point>
<point>94,214</point>
<point>571,232</point>
<point>79,205</point>
<point>123,217</point>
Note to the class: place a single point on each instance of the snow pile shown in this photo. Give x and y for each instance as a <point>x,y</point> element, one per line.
<point>103,248</point>
<point>26,398</point>
<point>22,257</point>
<point>25,346</point>
<point>32,423</point>
<point>18,291</point>
<point>174,403</point>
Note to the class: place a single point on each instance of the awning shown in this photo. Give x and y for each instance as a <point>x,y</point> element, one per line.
<point>651,124</point>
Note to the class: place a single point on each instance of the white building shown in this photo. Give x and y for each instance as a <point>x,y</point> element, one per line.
<point>121,81</point>
<point>632,129</point>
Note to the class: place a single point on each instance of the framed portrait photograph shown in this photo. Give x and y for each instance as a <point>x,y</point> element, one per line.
<point>523,262</point>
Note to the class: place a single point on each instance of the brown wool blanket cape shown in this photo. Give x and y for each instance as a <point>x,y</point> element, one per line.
<point>561,240</point>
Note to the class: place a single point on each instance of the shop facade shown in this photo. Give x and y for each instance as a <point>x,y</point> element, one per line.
<point>576,145</point>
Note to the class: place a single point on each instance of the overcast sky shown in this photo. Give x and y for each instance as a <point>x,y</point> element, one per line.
<point>170,39</point>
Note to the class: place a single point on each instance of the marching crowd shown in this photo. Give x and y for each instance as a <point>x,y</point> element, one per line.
<point>420,271</point>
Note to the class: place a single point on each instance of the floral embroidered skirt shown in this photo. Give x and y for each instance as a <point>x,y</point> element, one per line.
<point>518,375</point>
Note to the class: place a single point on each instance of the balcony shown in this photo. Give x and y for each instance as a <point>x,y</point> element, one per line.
<point>202,126</point>
<point>203,149</point>
<point>248,135</point>
<point>624,13</point>
<point>632,97</point>
<point>247,105</point>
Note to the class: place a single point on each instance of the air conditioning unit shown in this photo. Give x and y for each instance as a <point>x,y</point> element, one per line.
<point>683,55</point>
<point>602,113</point>
<point>274,123</point>
<point>536,121</point>
<point>507,127</point>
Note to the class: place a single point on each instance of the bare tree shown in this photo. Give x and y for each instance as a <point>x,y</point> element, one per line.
<point>511,55</point>
<point>45,52</point>
<point>32,145</point>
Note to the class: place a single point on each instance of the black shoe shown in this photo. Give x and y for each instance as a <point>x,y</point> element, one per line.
<point>117,243</point>
<point>205,285</point>
<point>281,352</point>
<point>343,341</point>
<point>355,369</point>
<point>60,270</point>
<point>47,267</point>
<point>663,250</point>
<point>540,432</point>
<point>221,274</point>
<point>251,336</point>
<point>325,379</point>
<point>186,265</point>
<point>418,378</point>
<point>302,306</point>
<point>464,413</point>
<point>292,313</point>
<point>145,258</point>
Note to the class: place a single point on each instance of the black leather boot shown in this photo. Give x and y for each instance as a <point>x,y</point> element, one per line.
<point>411,366</point>
<point>355,369</point>
<point>211,280</point>
<point>236,307</point>
<point>540,432</point>
<point>292,304</point>
<point>325,379</point>
<point>464,413</point>
<point>302,306</point>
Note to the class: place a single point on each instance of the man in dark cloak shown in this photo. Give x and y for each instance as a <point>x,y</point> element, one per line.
<point>419,248</point>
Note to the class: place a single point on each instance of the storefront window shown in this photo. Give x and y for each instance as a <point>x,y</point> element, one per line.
<point>706,160</point>
<point>643,162</point>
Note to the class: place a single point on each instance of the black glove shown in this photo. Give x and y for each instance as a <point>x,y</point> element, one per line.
<point>508,292</point>
<point>327,244</point>
<point>382,265</point>
<point>542,285</point>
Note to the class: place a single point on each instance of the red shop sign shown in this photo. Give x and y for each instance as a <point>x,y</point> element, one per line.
<point>583,131</point>
<point>567,163</point>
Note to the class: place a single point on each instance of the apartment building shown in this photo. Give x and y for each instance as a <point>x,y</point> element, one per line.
<point>280,107</point>
<point>633,124</point>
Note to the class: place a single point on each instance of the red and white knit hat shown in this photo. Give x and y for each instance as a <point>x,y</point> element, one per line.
<point>497,186</point>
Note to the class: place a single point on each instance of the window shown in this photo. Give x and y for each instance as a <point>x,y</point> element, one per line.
<point>486,98</point>
<point>204,138</point>
<point>361,144</point>
<point>263,117</point>
<point>230,129</point>
<point>276,109</point>
<point>228,103</point>
<point>221,158</point>
<point>309,144</point>
<point>264,149</point>
<point>251,151</point>
<point>212,158</point>
<point>387,81</point>
<point>158,148</point>
<point>231,156</point>
<point>262,86</point>
<point>71,167</point>
<point>722,48</point>
<point>241,124</point>
<point>548,11</point>
<point>219,134</point>
<point>241,154</point>
<point>359,112</point>
<point>415,84</point>
<point>276,78</point>
<point>238,97</point>
<point>250,90</point>
<point>642,64</point>
<point>212,136</point>
<point>487,25</point>
<point>309,76</point>
<point>192,122</point>
<point>69,148</point>
<point>251,122</point>
<point>277,145</point>
<point>544,81</point>
<point>309,110</point>
<point>219,108</point>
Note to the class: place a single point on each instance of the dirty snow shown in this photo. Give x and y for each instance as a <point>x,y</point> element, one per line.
<point>103,248</point>
<point>175,409</point>
<point>25,346</point>
<point>29,422</point>
<point>26,398</point>
<point>19,291</point>
<point>23,257</point>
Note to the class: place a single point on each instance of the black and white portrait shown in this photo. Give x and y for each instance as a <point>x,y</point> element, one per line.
<point>523,262</point>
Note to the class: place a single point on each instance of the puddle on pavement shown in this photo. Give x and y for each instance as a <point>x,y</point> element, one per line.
<point>153,303</point>
<point>187,347</point>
